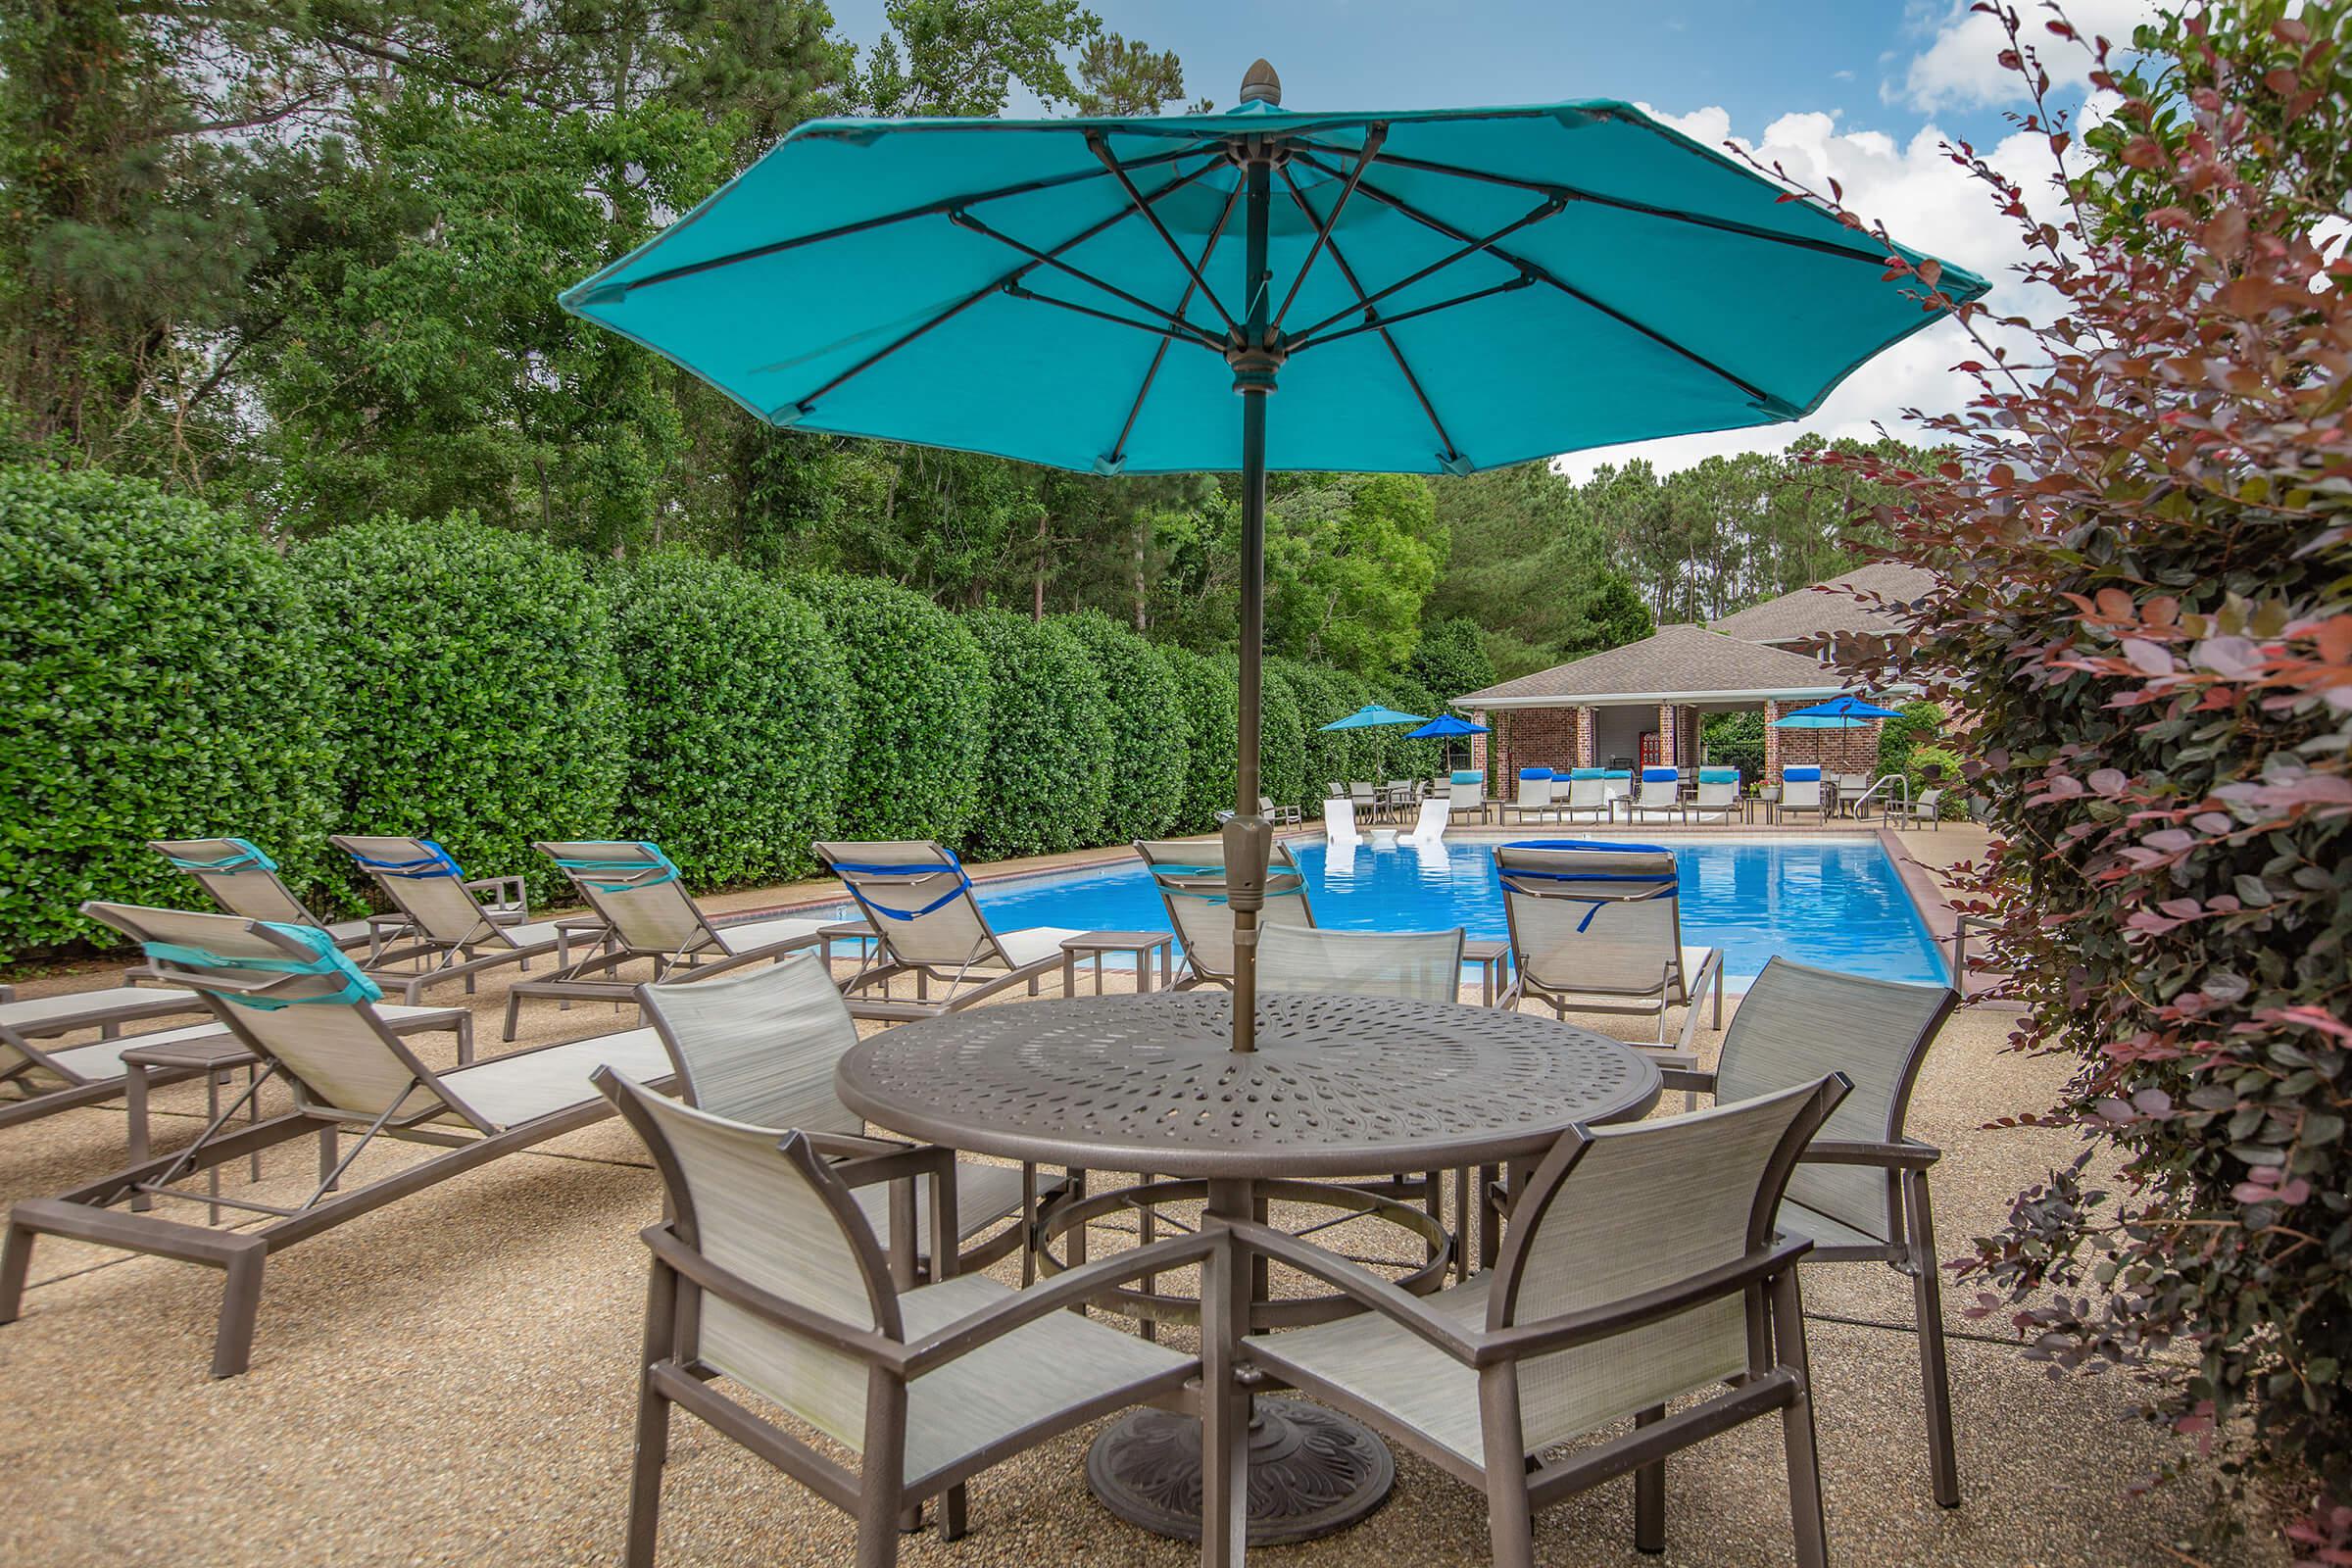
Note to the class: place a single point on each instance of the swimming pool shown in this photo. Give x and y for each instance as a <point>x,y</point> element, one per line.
<point>1837,904</point>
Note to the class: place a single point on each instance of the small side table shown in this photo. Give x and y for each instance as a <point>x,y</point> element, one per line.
<point>1096,943</point>
<point>860,931</point>
<point>1494,960</point>
<point>215,1056</point>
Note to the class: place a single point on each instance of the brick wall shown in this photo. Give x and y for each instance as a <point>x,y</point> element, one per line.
<point>1534,737</point>
<point>1833,751</point>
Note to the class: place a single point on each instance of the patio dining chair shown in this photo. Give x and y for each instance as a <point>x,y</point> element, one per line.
<point>300,1005</point>
<point>1587,797</point>
<point>1660,795</point>
<point>1801,793</point>
<point>1399,794</point>
<point>927,925</point>
<point>1718,797</point>
<point>1851,788</point>
<point>649,918</point>
<point>1534,798</point>
<point>1640,1268</point>
<point>767,1279</point>
<point>1466,794</point>
<point>1596,927</point>
<point>448,932</point>
<point>1860,1194</point>
<point>244,881</point>
<point>1420,965</point>
<point>1928,809</point>
<point>1366,801</point>
<point>760,1047</point>
<point>1190,874</point>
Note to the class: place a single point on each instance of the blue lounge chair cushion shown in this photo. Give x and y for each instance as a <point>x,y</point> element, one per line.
<point>1801,776</point>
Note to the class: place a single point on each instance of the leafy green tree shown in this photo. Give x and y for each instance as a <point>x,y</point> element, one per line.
<point>1045,777</point>
<point>1350,559</point>
<point>1212,716</point>
<point>962,57</point>
<point>1116,76</point>
<point>1451,659</point>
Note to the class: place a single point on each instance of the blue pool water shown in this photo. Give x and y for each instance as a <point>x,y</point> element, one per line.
<point>1837,905</point>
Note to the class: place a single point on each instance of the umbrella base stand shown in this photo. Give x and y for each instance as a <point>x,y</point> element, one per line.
<point>1312,1471</point>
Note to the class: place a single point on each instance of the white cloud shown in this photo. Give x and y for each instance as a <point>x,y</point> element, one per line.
<point>1925,201</point>
<point>1960,68</point>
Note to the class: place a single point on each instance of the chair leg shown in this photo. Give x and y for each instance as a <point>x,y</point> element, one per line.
<point>955,1521</point>
<point>16,1260</point>
<point>653,1422</point>
<point>1649,1491</point>
<point>240,1308</point>
<point>1510,1521</point>
<point>514,1010</point>
<point>1796,1426</point>
<point>1927,1303</point>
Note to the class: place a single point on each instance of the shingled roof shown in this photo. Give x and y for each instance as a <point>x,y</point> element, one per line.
<point>1828,608</point>
<point>1681,663</point>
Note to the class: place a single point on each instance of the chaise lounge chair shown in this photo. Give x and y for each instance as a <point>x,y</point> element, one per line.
<point>1587,797</point>
<point>1466,794</point>
<point>1718,797</point>
<point>927,925</point>
<point>244,881</point>
<point>648,917</point>
<point>1660,795</point>
<point>1800,794</point>
<point>1190,874</point>
<point>1535,794</point>
<point>304,1010</point>
<point>38,1078</point>
<point>1596,927</point>
<point>449,930</point>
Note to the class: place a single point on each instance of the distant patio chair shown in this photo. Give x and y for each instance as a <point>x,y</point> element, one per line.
<point>1718,797</point>
<point>1190,874</point>
<point>1801,793</point>
<point>1640,1268</point>
<point>1366,801</point>
<point>1617,784</point>
<point>1928,809</point>
<point>447,928</point>
<point>1596,927</point>
<point>1535,794</point>
<point>760,1047</point>
<point>649,918</point>
<point>1860,1194</point>
<point>1661,795</point>
<point>1419,966</point>
<point>928,926</point>
<point>767,1274</point>
<point>1429,826</point>
<point>1466,794</point>
<point>1281,815</point>
<point>1587,797</point>
<point>300,1004</point>
<point>244,881</point>
<point>1851,788</point>
<point>1400,793</point>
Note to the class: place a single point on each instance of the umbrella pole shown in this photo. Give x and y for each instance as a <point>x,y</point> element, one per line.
<point>1248,836</point>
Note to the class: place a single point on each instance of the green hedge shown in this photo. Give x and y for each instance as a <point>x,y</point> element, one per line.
<point>159,678</point>
<point>1212,718</point>
<point>1149,745</point>
<point>918,709</point>
<point>736,720</point>
<point>478,698</point>
<point>1281,741</point>
<point>1047,775</point>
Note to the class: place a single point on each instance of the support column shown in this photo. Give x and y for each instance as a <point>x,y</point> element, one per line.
<point>1772,742</point>
<point>1583,738</point>
<point>1667,755</point>
<point>1478,743</point>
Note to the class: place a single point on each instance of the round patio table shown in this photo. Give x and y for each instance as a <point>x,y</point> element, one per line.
<point>1339,1086</point>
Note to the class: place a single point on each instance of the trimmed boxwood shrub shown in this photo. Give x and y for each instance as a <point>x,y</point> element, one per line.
<point>1148,737</point>
<point>918,709</point>
<point>1280,740</point>
<point>1047,775</point>
<point>159,678</point>
<point>1325,757</point>
<point>1212,716</point>
<point>736,718</point>
<point>480,696</point>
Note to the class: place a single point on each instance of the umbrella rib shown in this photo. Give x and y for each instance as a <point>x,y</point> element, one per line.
<point>926,209</point>
<point>1543,275</point>
<point>1469,249</point>
<point>1303,344</point>
<point>967,220</point>
<point>1446,452</point>
<point>1625,204</point>
<point>1119,449</point>
<point>1373,139</point>
<point>1101,146</point>
<point>1171,334</point>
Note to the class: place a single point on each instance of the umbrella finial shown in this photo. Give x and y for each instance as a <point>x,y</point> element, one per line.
<point>1260,85</point>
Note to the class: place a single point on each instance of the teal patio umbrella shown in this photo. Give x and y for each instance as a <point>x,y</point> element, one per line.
<point>1374,716</point>
<point>1431,291</point>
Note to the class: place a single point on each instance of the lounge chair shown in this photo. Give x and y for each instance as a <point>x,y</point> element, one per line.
<point>1617,784</point>
<point>1587,797</point>
<point>1660,795</point>
<point>767,1274</point>
<point>1466,794</point>
<point>928,925</point>
<point>1338,821</point>
<point>1596,927</point>
<point>304,1010</point>
<point>1800,794</point>
<point>39,1076</point>
<point>1422,966</point>
<point>1928,809</point>
<point>244,881</point>
<point>760,1048</point>
<point>1860,1195</point>
<point>1640,1269</point>
<point>1429,827</point>
<point>1718,798</point>
<point>648,917</point>
<point>449,931</point>
<point>1190,874</point>
<point>1535,794</point>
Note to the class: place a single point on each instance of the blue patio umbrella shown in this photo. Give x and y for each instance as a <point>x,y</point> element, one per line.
<point>1372,716</point>
<point>1428,291</point>
<point>1838,713</point>
<point>1445,726</point>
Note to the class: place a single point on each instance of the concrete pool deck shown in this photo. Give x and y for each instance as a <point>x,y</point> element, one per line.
<point>447,1381</point>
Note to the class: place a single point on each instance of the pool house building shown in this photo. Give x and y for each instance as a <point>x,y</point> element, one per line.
<point>1642,705</point>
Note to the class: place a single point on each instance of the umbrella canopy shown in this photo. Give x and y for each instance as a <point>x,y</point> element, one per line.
<point>1444,726</point>
<point>1431,290</point>
<point>1372,716</point>
<point>1838,713</point>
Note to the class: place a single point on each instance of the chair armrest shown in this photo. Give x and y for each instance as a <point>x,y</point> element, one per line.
<point>1907,1154</point>
<point>1687,1079</point>
<point>790,1316</point>
<point>1693,986</point>
<point>899,1162</point>
<point>974,1330</point>
<point>1360,1283</point>
<point>850,1145</point>
<point>1570,1329</point>
<point>505,891</point>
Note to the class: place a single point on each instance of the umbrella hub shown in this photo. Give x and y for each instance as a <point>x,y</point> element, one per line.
<point>1254,366</point>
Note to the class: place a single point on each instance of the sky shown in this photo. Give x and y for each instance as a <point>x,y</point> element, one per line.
<point>1864,91</point>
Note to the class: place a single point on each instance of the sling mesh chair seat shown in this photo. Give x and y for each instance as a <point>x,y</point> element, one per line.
<point>649,918</point>
<point>1596,927</point>
<point>307,1011</point>
<point>760,1047</point>
<point>1718,797</point>
<point>1190,874</point>
<point>1860,1194</point>
<point>1587,797</point>
<point>36,1078</point>
<point>244,881</point>
<point>768,1277</point>
<point>928,926</point>
<point>1660,795</point>
<point>1641,1269</point>
<point>1801,793</point>
<point>451,932</point>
